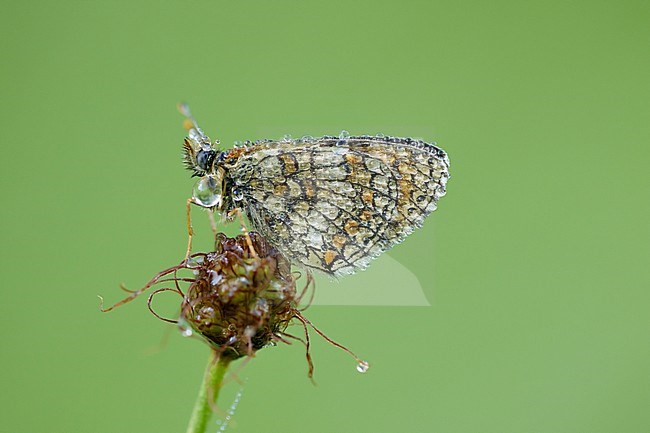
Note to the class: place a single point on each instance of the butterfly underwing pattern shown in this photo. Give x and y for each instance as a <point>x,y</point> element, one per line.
<point>330,204</point>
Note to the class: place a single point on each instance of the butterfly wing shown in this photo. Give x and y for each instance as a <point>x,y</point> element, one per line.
<point>333,205</point>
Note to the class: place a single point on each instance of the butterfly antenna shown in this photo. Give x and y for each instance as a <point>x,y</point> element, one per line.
<point>190,124</point>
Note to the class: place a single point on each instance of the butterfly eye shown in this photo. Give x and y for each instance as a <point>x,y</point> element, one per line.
<point>205,158</point>
<point>207,192</point>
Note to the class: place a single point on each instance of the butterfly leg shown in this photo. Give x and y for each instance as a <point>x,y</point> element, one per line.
<point>213,223</point>
<point>190,231</point>
<point>244,230</point>
<point>310,282</point>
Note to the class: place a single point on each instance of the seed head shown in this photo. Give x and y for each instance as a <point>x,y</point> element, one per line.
<point>240,299</point>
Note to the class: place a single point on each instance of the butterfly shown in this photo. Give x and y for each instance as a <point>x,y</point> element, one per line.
<point>330,204</point>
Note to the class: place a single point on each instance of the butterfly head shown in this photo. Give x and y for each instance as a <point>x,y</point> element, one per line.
<point>200,156</point>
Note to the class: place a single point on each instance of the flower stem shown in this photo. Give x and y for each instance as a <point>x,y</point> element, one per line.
<point>208,393</point>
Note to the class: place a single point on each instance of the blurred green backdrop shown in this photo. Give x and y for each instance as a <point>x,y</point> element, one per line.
<point>536,263</point>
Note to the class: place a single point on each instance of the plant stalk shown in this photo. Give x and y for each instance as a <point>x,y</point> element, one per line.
<point>208,393</point>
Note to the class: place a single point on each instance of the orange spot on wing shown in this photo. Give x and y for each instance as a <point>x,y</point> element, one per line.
<point>329,257</point>
<point>351,227</point>
<point>338,241</point>
<point>310,191</point>
<point>352,158</point>
<point>289,163</point>
<point>367,196</point>
<point>280,189</point>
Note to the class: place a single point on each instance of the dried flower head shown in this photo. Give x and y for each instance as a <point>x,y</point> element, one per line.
<point>241,298</point>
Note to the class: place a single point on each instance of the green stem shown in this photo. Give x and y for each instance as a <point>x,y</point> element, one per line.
<point>210,387</point>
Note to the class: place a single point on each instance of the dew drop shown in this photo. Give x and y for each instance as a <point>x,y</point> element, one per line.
<point>195,135</point>
<point>215,277</point>
<point>362,366</point>
<point>343,138</point>
<point>207,311</point>
<point>207,192</point>
<point>287,137</point>
<point>250,331</point>
<point>237,194</point>
<point>307,138</point>
<point>373,164</point>
<point>194,262</point>
<point>184,327</point>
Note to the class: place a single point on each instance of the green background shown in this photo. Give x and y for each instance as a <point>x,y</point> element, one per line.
<point>536,263</point>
